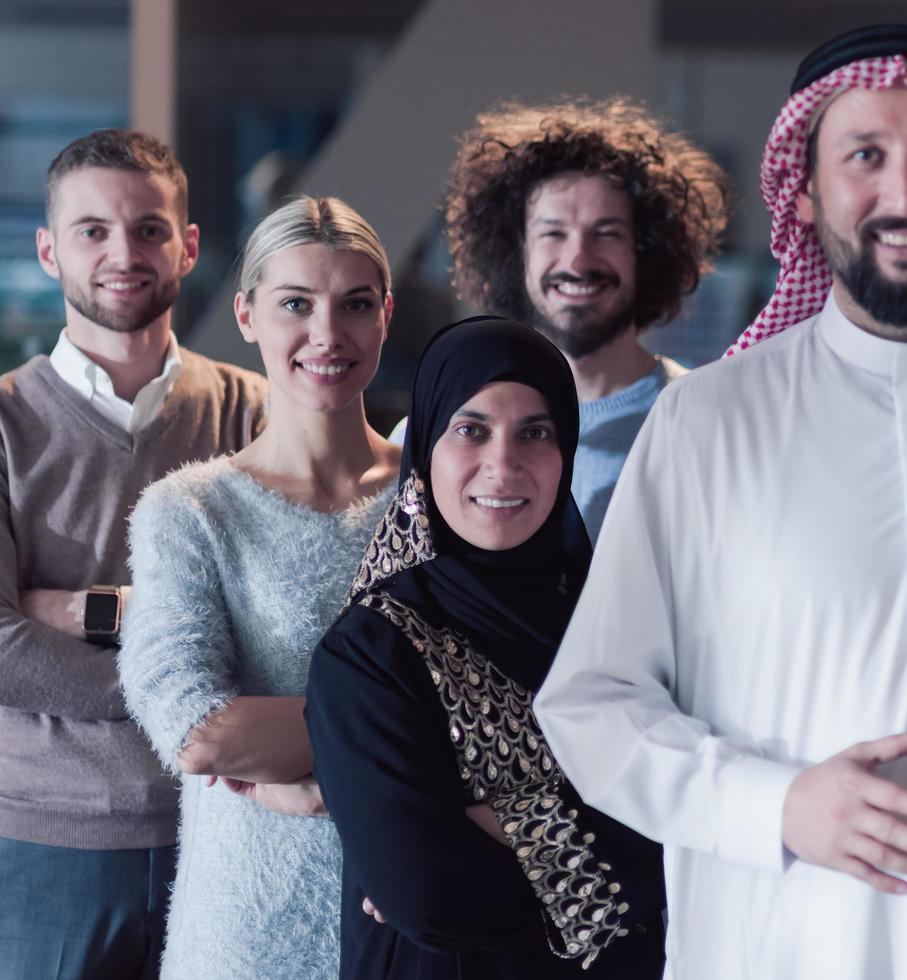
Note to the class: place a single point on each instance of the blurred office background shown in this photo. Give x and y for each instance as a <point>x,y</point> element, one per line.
<point>365,100</point>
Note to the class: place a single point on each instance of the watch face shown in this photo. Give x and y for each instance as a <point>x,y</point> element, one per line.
<point>102,612</point>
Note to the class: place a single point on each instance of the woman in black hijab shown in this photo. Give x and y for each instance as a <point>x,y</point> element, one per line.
<point>419,699</point>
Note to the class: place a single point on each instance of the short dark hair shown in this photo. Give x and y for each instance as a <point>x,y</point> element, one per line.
<point>118,149</point>
<point>678,194</point>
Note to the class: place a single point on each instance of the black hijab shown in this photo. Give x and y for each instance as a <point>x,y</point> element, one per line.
<point>513,604</point>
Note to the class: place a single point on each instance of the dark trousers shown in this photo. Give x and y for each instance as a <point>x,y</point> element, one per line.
<point>69,914</point>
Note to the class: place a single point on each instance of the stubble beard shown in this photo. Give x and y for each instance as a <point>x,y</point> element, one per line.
<point>160,300</point>
<point>583,330</point>
<point>884,299</point>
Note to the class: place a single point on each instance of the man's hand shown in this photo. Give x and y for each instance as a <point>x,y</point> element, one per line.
<point>299,799</point>
<point>56,608</point>
<point>840,815</point>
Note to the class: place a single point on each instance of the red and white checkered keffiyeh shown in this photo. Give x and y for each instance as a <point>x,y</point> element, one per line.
<point>805,277</point>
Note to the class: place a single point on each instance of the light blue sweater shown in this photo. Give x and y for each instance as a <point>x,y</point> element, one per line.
<point>233,587</point>
<point>607,428</point>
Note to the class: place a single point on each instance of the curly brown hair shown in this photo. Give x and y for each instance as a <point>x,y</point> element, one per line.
<point>679,197</point>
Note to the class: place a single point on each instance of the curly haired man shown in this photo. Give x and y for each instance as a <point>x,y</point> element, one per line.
<point>590,222</point>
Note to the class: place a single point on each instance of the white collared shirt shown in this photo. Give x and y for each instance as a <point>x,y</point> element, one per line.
<point>93,382</point>
<point>746,616</point>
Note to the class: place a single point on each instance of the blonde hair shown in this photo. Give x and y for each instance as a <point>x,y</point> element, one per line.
<point>311,220</point>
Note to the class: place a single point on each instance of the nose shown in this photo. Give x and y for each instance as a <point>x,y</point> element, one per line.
<point>894,185</point>
<point>122,249</point>
<point>501,459</point>
<point>325,330</point>
<point>578,254</point>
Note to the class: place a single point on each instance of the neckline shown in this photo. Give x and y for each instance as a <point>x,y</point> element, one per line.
<point>876,355</point>
<point>645,385</point>
<point>359,505</point>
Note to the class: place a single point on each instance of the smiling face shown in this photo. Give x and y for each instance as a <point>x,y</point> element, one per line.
<point>857,199</point>
<point>579,258</point>
<point>320,320</point>
<point>117,246</point>
<point>496,469</point>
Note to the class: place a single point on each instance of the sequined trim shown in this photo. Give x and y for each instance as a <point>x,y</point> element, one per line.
<point>401,540</point>
<point>505,761</point>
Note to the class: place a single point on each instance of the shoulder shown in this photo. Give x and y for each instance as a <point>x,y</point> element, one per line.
<point>365,643</point>
<point>746,381</point>
<point>184,494</point>
<point>17,384</point>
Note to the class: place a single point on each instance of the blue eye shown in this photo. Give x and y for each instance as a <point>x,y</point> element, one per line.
<point>296,304</point>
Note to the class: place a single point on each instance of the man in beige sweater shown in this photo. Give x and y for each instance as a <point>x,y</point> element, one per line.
<point>87,819</point>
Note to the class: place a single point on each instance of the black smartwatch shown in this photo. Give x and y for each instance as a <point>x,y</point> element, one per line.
<point>101,621</point>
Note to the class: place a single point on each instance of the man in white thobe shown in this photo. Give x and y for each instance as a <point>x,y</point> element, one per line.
<point>734,681</point>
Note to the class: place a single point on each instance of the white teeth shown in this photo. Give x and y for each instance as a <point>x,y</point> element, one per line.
<point>328,369</point>
<point>122,287</point>
<point>897,238</point>
<point>497,502</point>
<point>574,289</point>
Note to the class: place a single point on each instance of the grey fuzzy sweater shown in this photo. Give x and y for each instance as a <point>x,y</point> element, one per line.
<point>233,588</point>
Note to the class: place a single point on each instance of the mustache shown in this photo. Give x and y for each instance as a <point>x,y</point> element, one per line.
<point>135,269</point>
<point>593,278</point>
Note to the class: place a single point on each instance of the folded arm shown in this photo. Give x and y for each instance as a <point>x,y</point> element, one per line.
<point>391,783</point>
<point>45,665</point>
<point>254,739</point>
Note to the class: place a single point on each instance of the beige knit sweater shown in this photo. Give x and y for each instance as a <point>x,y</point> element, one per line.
<point>74,770</point>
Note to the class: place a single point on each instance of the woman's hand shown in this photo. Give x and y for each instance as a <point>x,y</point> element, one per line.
<point>301,798</point>
<point>253,739</point>
<point>483,816</point>
<point>369,908</point>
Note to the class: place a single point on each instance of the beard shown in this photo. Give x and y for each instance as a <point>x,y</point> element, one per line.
<point>584,329</point>
<point>884,299</point>
<point>161,297</point>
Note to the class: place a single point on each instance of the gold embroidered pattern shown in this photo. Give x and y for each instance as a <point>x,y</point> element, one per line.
<point>504,761</point>
<point>401,540</point>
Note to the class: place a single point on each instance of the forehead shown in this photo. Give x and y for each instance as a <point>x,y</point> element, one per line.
<point>576,196</point>
<point>858,113</point>
<point>112,195</point>
<point>320,268</point>
<point>504,400</point>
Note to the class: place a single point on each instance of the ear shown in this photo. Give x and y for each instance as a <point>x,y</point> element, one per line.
<point>242,310</point>
<point>44,241</point>
<point>190,250</point>
<point>388,312</point>
<point>806,211</point>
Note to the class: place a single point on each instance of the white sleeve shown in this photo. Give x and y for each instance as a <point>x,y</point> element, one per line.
<point>609,706</point>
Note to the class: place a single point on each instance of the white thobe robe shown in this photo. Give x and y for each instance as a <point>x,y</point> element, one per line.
<point>746,616</point>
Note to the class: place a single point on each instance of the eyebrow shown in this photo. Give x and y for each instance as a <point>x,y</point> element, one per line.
<point>482,417</point>
<point>561,221</point>
<point>863,137</point>
<point>290,288</point>
<point>90,219</point>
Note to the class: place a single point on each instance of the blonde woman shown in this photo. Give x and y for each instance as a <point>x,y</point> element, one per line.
<point>240,565</point>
